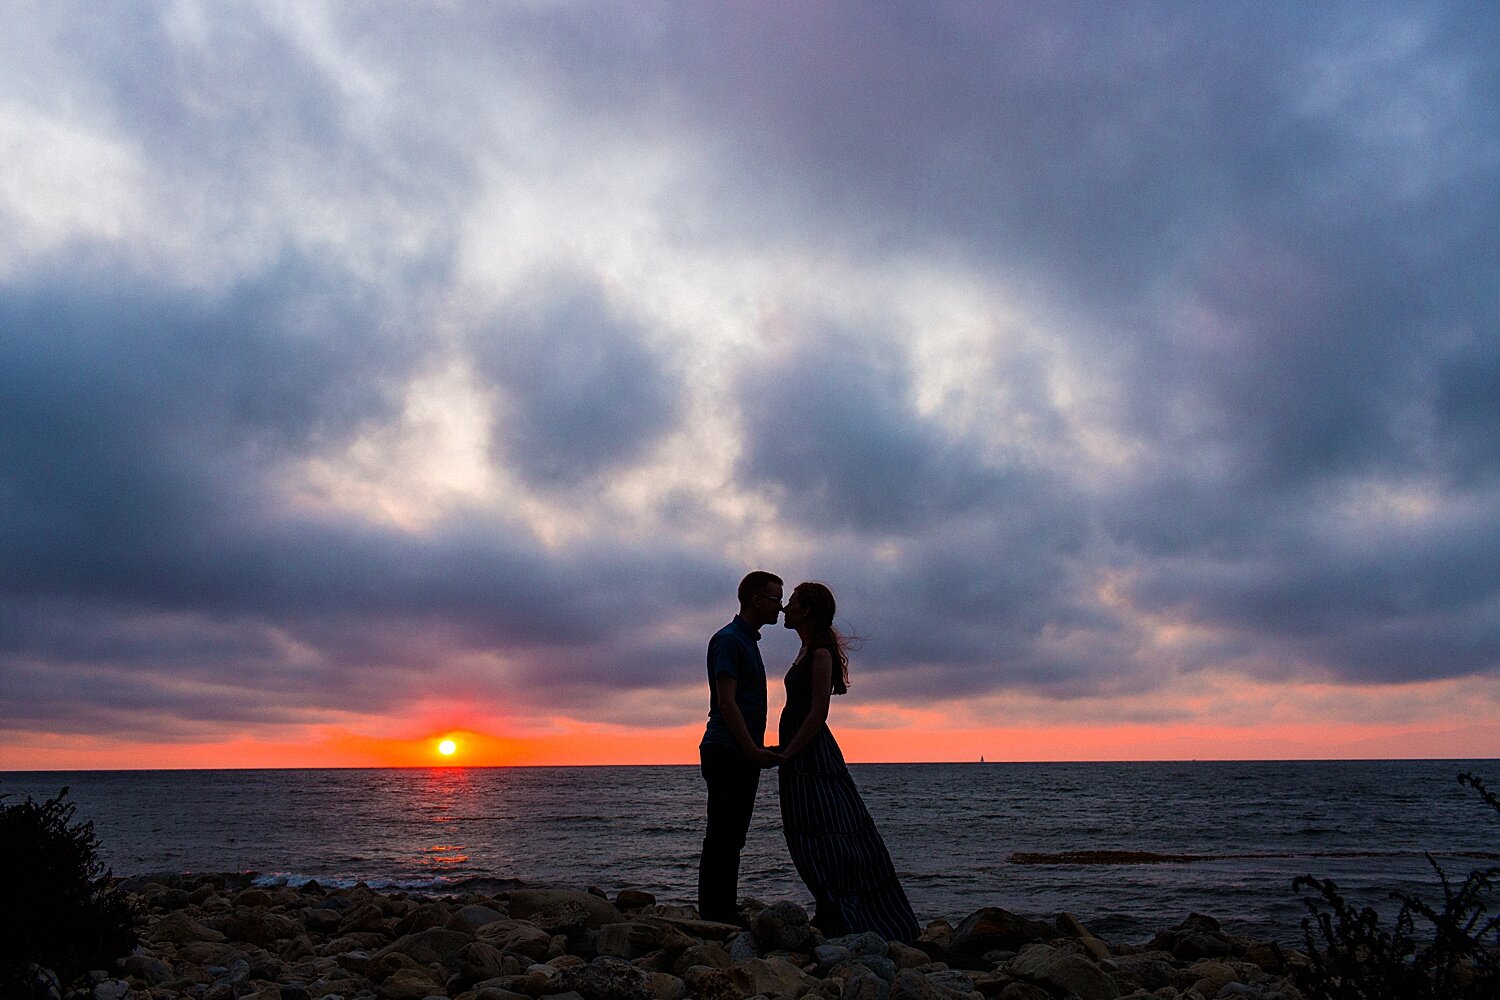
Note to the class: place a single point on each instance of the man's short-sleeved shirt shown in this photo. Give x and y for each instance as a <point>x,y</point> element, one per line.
<point>735,651</point>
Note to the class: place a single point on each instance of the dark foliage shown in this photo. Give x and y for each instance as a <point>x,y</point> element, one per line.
<point>60,908</point>
<point>1450,952</point>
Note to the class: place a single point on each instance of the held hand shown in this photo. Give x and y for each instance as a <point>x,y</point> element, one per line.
<point>768,758</point>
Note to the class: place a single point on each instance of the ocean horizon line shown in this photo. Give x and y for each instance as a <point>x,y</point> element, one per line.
<point>692,764</point>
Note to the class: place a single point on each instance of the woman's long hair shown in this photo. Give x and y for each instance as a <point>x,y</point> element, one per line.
<point>817,599</point>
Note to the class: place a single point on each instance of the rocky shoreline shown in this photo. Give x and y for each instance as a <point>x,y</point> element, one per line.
<point>219,937</point>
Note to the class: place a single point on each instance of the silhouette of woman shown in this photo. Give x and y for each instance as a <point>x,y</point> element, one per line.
<point>831,837</point>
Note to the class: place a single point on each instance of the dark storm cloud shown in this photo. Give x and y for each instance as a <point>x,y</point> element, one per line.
<point>831,429</point>
<point>1467,438</point>
<point>993,552</point>
<point>139,422</point>
<point>582,392</point>
<point>1390,605</point>
<point>1097,149</point>
<point>1270,240</point>
<point>133,417</point>
<point>149,554</point>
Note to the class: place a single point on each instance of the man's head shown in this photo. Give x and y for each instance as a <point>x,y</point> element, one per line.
<point>760,598</point>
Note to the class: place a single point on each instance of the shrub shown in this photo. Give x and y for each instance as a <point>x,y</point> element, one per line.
<point>60,908</point>
<point>1456,956</point>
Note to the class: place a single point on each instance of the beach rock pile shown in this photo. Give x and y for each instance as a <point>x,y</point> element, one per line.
<point>221,938</point>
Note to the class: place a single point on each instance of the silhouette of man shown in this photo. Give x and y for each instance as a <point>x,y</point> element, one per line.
<point>733,749</point>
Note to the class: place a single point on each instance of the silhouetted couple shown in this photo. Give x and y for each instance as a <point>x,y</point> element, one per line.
<point>832,839</point>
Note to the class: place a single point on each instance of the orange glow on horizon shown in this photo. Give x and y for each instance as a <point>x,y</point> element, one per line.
<point>589,745</point>
<point>1230,718</point>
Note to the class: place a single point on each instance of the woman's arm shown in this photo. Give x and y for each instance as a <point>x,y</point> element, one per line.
<point>821,669</point>
<point>734,720</point>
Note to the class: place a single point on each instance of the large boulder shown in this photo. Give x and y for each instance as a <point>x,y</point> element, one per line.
<point>878,964</point>
<point>567,917</point>
<point>992,928</point>
<point>1073,927</point>
<point>347,943</point>
<point>863,943</point>
<point>771,977</point>
<point>662,935</point>
<point>1023,991</point>
<point>253,897</point>
<point>634,899</point>
<point>540,980</point>
<point>1063,972</point>
<point>525,902</point>
<point>296,948</point>
<point>953,984</point>
<point>435,944</point>
<point>381,967</point>
<point>614,940</point>
<point>363,916</point>
<point>665,986</point>
<point>1149,970</point>
<point>1199,936</point>
<point>207,953</point>
<point>936,937</point>
<point>828,956</point>
<point>258,925</point>
<point>179,928</point>
<point>782,925</point>
<point>408,984</point>
<point>518,936</point>
<point>474,916</point>
<point>322,920</point>
<point>862,984</point>
<point>424,916</point>
<point>756,976</point>
<point>1208,976</point>
<point>607,979</point>
<point>711,955</point>
<point>710,930</point>
<point>743,947</point>
<point>153,971</point>
<point>905,956</point>
<point>912,985</point>
<point>635,938</point>
<point>479,960</point>
<point>112,989</point>
<point>489,991</point>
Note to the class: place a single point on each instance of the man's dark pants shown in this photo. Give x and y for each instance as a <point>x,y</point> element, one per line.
<point>732,782</point>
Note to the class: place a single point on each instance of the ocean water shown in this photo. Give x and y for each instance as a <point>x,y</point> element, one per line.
<point>1234,834</point>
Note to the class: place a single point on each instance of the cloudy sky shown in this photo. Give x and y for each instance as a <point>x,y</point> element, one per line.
<point>371,372</point>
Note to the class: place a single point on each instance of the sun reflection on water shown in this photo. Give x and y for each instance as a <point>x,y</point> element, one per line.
<point>446,794</point>
<point>443,854</point>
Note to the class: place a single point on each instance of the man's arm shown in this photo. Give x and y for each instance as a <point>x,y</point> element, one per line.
<point>725,687</point>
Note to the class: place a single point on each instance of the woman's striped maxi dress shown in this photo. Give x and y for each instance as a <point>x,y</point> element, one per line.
<point>832,839</point>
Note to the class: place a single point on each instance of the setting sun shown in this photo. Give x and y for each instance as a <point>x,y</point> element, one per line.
<point>447,748</point>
